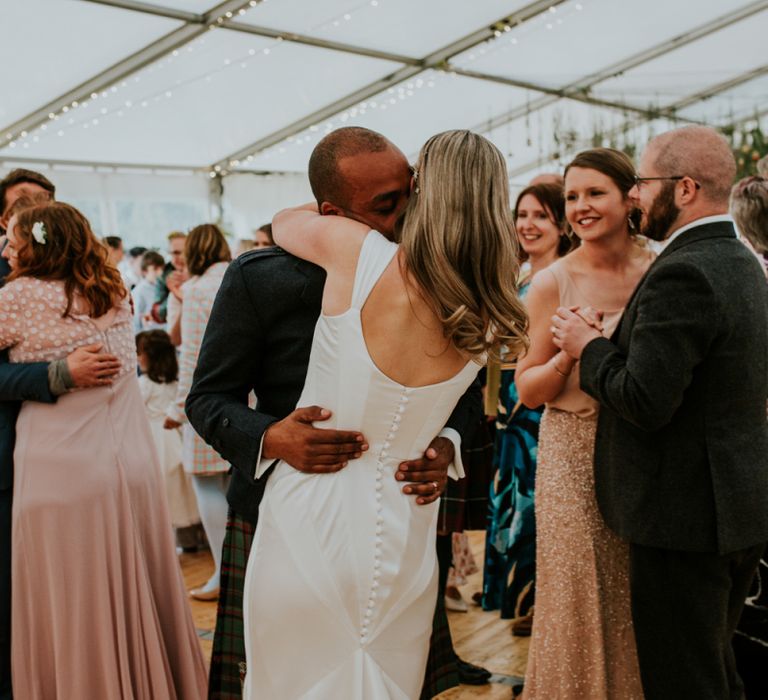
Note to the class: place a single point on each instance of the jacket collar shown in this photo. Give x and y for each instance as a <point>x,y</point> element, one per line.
<point>717,229</point>
<point>314,282</point>
<point>695,234</point>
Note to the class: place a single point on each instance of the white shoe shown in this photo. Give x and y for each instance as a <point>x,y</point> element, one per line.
<point>456,604</point>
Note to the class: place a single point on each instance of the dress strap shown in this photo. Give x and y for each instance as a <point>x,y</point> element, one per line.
<point>375,255</point>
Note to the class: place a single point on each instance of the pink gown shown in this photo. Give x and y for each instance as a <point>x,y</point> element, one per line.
<point>99,607</point>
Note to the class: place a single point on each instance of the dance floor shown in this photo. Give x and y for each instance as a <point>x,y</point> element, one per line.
<point>478,636</point>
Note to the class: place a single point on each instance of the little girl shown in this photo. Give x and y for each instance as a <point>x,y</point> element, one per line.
<point>158,382</point>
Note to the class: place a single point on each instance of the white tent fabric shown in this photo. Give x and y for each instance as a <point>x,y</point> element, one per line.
<point>185,91</point>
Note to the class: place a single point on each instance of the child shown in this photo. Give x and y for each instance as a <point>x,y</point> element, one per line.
<point>158,381</point>
<point>143,293</point>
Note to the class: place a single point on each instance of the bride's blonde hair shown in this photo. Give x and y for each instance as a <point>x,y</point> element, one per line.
<point>460,245</point>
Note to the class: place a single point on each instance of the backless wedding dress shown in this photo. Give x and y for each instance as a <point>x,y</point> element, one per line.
<point>342,578</point>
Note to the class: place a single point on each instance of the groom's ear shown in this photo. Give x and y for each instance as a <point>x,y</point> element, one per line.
<point>328,209</point>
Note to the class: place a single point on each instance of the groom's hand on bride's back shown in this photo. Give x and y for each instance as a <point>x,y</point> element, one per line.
<point>309,449</point>
<point>428,476</point>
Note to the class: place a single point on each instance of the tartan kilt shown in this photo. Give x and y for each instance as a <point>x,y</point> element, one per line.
<point>464,505</point>
<point>229,640</point>
<point>442,672</point>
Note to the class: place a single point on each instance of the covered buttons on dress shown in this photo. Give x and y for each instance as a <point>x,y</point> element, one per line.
<point>378,541</point>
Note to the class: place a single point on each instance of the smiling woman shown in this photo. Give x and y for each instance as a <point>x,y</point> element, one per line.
<point>582,616</point>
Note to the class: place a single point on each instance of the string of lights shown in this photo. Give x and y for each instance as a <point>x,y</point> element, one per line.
<point>74,114</point>
<point>394,95</point>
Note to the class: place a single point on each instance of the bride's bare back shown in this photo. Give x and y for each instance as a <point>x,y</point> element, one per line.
<point>404,336</point>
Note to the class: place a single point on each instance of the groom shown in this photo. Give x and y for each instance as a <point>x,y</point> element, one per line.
<point>681,454</point>
<point>258,338</point>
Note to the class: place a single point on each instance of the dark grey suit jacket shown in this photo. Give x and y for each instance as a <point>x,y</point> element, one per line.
<point>258,338</point>
<point>681,455</point>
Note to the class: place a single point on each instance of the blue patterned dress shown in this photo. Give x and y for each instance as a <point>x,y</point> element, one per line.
<point>510,546</point>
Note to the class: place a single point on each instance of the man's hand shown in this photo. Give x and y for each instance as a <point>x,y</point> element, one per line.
<point>88,366</point>
<point>308,449</point>
<point>571,333</point>
<point>170,424</point>
<point>428,476</point>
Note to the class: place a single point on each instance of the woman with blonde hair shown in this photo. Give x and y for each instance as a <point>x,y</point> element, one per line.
<point>583,642</point>
<point>207,256</point>
<point>343,570</point>
<point>99,609</point>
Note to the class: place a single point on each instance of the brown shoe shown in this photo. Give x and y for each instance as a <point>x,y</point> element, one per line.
<point>521,626</point>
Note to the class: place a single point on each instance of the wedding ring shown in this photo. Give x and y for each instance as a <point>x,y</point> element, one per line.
<point>435,486</point>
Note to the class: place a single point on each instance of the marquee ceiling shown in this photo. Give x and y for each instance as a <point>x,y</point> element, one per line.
<point>252,86</point>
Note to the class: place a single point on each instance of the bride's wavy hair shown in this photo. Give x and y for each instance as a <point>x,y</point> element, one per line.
<point>71,253</point>
<point>459,244</point>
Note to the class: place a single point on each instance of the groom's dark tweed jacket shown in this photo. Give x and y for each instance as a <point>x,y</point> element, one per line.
<point>258,338</point>
<point>681,453</point>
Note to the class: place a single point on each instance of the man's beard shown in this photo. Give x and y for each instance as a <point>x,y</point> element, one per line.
<point>658,221</point>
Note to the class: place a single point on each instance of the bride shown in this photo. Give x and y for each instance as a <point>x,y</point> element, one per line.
<point>342,577</point>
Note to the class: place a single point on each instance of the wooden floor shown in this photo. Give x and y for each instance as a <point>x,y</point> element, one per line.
<point>478,636</point>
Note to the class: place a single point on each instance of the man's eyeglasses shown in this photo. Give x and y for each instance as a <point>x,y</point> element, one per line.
<point>640,180</point>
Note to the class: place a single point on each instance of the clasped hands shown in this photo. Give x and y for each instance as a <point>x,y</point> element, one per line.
<point>573,328</point>
<point>313,450</point>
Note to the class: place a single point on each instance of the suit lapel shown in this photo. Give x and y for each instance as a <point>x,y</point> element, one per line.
<point>719,229</point>
<point>314,282</point>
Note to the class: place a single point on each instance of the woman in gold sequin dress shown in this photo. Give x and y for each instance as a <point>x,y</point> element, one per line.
<point>583,644</point>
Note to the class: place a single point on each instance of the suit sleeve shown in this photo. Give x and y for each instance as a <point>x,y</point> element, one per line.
<point>25,382</point>
<point>468,410</point>
<point>217,404</point>
<point>676,320</point>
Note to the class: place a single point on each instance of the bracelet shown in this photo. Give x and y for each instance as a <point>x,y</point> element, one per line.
<point>559,371</point>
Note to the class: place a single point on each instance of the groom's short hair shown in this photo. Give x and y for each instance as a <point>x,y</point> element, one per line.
<point>324,177</point>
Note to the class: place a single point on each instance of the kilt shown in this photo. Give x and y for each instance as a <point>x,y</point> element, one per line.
<point>228,641</point>
<point>442,672</point>
<point>464,505</point>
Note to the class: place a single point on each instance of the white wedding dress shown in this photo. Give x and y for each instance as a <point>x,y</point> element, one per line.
<point>341,583</point>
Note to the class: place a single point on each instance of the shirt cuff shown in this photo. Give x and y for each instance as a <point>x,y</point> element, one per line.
<point>456,468</point>
<point>262,464</point>
<point>59,378</point>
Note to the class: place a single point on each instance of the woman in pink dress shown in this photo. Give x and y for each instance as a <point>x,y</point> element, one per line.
<point>99,608</point>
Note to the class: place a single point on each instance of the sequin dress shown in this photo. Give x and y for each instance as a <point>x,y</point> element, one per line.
<point>99,606</point>
<point>583,643</point>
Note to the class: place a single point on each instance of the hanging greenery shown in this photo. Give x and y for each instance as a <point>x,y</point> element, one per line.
<point>749,145</point>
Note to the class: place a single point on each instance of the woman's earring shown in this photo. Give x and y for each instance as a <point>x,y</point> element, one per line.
<point>631,223</point>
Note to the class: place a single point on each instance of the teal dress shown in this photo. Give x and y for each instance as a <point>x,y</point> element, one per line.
<point>510,545</point>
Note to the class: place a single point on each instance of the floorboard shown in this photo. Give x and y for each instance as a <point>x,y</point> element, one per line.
<point>478,636</point>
